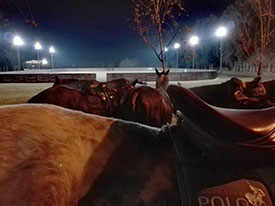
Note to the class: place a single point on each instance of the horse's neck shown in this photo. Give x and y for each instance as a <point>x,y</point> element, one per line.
<point>162,84</point>
<point>162,90</point>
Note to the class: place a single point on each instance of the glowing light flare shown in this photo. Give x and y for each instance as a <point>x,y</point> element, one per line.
<point>17,41</point>
<point>176,45</point>
<point>44,61</point>
<point>165,49</point>
<point>37,46</point>
<point>221,31</point>
<point>194,40</point>
<point>51,50</point>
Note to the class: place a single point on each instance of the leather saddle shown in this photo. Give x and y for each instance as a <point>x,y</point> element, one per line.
<point>235,133</point>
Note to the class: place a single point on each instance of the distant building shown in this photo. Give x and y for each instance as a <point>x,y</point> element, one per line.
<point>36,64</point>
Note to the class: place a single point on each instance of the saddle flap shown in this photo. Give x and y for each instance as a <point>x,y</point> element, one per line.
<point>241,192</point>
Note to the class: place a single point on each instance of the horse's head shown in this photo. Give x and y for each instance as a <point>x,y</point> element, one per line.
<point>255,88</point>
<point>162,80</point>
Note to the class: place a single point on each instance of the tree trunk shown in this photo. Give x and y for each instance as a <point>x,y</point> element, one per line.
<point>260,69</point>
<point>161,44</point>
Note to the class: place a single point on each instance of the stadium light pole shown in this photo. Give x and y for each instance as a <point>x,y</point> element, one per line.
<point>17,41</point>
<point>165,55</point>
<point>38,47</point>
<point>52,51</point>
<point>177,46</point>
<point>221,32</point>
<point>194,40</point>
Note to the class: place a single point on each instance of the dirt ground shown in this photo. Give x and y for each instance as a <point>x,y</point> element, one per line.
<point>12,93</point>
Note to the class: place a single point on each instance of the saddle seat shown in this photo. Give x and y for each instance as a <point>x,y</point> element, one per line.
<point>253,128</point>
<point>258,122</point>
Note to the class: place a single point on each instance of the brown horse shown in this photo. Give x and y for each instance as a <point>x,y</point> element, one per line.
<point>59,157</point>
<point>92,86</point>
<point>72,99</point>
<point>251,94</point>
<point>81,85</point>
<point>238,94</point>
<point>52,156</point>
<point>148,105</point>
<point>88,96</point>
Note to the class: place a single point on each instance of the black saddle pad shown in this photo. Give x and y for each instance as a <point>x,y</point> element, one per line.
<point>208,177</point>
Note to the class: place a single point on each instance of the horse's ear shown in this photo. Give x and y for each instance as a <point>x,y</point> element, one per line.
<point>157,71</point>
<point>166,73</point>
<point>256,79</point>
<point>57,81</point>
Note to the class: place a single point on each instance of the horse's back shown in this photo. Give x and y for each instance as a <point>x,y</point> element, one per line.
<point>44,151</point>
<point>118,83</point>
<point>81,85</point>
<point>70,98</point>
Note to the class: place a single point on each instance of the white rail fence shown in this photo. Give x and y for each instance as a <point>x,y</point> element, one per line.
<point>246,67</point>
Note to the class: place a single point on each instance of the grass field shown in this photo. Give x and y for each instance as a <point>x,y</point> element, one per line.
<point>12,93</point>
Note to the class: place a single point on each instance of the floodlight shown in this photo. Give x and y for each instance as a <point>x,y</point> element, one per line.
<point>17,41</point>
<point>176,45</point>
<point>37,46</point>
<point>194,40</point>
<point>221,31</point>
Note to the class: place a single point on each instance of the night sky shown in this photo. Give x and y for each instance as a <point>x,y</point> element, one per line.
<point>89,33</point>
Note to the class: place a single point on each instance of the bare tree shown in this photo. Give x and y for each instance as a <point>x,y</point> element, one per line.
<point>258,28</point>
<point>151,17</point>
